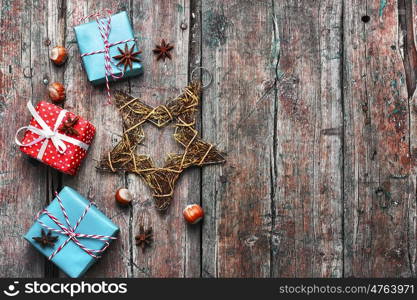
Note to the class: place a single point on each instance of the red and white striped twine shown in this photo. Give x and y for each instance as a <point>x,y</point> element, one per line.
<point>70,231</point>
<point>104,26</point>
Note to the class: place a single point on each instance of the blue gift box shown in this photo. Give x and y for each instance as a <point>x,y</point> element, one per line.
<point>71,259</point>
<point>89,39</point>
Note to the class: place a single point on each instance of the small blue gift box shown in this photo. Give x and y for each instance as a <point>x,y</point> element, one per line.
<point>89,39</point>
<point>72,259</point>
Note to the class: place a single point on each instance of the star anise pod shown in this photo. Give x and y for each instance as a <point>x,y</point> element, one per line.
<point>46,239</point>
<point>127,56</point>
<point>144,238</point>
<point>68,126</point>
<point>163,50</point>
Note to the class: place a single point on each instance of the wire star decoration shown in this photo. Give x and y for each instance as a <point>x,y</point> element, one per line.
<point>182,112</point>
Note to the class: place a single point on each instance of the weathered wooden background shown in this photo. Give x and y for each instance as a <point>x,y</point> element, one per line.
<point>312,101</point>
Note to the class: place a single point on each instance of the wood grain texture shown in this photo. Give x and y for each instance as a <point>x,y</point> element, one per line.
<point>309,130</point>
<point>176,248</point>
<point>238,113</point>
<point>378,192</point>
<point>25,69</point>
<point>410,62</point>
<point>315,109</point>
<point>406,18</point>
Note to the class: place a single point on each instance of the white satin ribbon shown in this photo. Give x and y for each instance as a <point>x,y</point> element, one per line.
<point>45,134</point>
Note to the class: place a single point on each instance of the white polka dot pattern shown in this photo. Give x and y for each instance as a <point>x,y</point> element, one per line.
<point>70,161</point>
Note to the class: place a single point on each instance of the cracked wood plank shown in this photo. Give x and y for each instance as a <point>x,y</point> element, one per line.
<point>406,13</point>
<point>238,114</point>
<point>307,236</point>
<point>90,102</point>
<point>54,28</point>
<point>176,248</point>
<point>378,191</point>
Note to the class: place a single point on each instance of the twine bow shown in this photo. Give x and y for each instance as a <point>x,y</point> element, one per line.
<point>70,231</point>
<point>104,26</point>
<point>46,134</point>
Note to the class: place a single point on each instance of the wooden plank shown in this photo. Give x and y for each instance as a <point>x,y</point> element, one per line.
<point>176,248</point>
<point>410,64</point>
<point>53,34</point>
<point>406,15</point>
<point>25,68</point>
<point>238,113</point>
<point>378,192</point>
<point>308,228</point>
<point>90,102</point>
<point>320,181</point>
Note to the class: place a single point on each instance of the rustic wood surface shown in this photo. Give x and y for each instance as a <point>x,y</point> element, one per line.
<point>314,103</point>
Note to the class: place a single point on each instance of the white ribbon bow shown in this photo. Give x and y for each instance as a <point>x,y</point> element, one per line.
<point>46,134</point>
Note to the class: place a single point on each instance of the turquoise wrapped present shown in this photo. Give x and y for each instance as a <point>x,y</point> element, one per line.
<point>79,232</point>
<point>92,45</point>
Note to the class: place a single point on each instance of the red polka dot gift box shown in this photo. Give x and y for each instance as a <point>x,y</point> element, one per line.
<point>56,137</point>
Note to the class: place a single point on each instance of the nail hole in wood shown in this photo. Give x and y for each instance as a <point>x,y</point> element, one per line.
<point>366,19</point>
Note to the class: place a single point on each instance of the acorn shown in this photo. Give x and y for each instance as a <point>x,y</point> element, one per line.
<point>123,196</point>
<point>193,213</point>
<point>56,92</point>
<point>59,55</point>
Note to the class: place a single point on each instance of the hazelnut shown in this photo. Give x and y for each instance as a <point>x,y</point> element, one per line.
<point>59,55</point>
<point>193,213</point>
<point>56,92</point>
<point>123,196</point>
